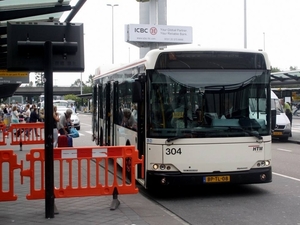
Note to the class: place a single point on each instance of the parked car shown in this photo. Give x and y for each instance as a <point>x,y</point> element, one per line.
<point>74,117</point>
<point>283,128</point>
<point>61,103</point>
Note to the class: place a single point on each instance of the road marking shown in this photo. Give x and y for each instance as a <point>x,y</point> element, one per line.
<point>284,150</point>
<point>89,132</point>
<point>285,176</point>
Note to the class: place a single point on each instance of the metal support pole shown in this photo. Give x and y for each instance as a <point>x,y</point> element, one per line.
<point>81,83</point>
<point>112,32</point>
<point>49,170</point>
<point>245,23</point>
<point>264,41</point>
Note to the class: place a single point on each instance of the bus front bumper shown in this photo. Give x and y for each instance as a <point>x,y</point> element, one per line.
<point>157,178</point>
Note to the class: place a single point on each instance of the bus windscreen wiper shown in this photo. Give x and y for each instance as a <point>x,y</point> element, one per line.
<point>185,135</point>
<point>175,138</point>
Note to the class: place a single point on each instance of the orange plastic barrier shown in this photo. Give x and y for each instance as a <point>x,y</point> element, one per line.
<point>3,134</point>
<point>10,159</point>
<point>27,133</point>
<point>84,171</point>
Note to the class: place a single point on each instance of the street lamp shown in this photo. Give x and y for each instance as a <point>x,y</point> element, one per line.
<point>112,30</point>
<point>81,83</point>
<point>245,23</point>
<point>264,39</point>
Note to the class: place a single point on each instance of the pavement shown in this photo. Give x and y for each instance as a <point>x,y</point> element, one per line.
<point>134,209</point>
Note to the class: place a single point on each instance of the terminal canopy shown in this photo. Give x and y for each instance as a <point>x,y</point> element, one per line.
<point>29,11</point>
<point>285,79</point>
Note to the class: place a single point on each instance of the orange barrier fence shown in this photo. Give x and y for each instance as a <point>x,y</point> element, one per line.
<point>8,159</point>
<point>84,171</point>
<point>27,133</point>
<point>3,133</point>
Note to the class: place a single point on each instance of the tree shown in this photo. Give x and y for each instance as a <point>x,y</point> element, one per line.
<point>77,83</point>
<point>74,98</point>
<point>39,79</point>
<point>275,69</point>
<point>89,85</point>
<point>90,80</point>
<point>87,89</point>
<point>293,68</point>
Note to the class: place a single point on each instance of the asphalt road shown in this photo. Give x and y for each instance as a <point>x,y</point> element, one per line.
<point>273,203</point>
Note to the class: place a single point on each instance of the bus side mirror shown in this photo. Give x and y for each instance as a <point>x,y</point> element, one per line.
<point>136,92</point>
<point>273,118</point>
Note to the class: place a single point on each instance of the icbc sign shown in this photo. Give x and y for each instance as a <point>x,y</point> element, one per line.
<point>141,30</point>
<point>153,30</point>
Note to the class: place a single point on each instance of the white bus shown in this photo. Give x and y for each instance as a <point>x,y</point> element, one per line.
<point>182,126</point>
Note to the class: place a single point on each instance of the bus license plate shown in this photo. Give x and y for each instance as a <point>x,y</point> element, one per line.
<point>277,133</point>
<point>216,179</point>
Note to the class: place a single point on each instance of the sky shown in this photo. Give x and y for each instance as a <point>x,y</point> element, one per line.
<point>272,25</point>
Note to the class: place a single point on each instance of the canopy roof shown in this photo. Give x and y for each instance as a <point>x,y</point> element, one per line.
<point>285,79</point>
<point>36,10</point>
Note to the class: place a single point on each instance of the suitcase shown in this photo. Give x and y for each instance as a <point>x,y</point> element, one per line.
<point>70,141</point>
<point>62,141</point>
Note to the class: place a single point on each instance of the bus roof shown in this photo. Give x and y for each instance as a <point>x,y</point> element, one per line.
<point>156,52</point>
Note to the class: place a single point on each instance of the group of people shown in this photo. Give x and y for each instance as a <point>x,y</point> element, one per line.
<point>30,115</point>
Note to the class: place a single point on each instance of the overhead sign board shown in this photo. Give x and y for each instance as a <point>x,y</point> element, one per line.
<point>158,33</point>
<point>13,77</point>
<point>26,46</point>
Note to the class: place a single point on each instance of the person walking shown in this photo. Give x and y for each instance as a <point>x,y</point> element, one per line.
<point>15,115</point>
<point>26,115</point>
<point>34,117</point>
<point>15,119</point>
<point>55,130</point>
<point>287,109</point>
<point>297,109</point>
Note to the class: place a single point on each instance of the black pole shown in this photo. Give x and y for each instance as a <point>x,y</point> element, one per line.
<point>49,170</point>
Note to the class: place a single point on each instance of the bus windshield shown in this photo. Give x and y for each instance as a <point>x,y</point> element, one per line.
<point>208,103</point>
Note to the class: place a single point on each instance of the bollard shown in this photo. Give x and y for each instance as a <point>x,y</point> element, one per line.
<point>115,203</point>
<point>55,209</point>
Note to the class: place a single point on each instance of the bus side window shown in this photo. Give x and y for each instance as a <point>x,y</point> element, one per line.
<point>128,120</point>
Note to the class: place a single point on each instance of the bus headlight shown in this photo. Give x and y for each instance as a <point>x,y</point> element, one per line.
<point>262,163</point>
<point>162,166</point>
